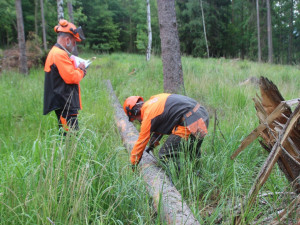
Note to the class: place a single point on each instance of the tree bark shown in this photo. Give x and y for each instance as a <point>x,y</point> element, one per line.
<point>70,12</point>
<point>291,26</point>
<point>269,27</point>
<point>258,31</point>
<point>60,9</point>
<point>36,6</point>
<point>170,47</point>
<point>21,38</point>
<point>149,32</point>
<point>43,25</point>
<point>204,29</point>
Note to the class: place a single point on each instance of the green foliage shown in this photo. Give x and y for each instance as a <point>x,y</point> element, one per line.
<point>7,22</point>
<point>121,25</point>
<point>142,38</point>
<point>101,32</point>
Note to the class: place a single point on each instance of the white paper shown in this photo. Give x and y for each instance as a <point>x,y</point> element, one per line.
<point>78,60</point>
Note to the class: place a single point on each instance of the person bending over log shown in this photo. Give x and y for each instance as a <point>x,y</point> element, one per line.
<point>180,117</point>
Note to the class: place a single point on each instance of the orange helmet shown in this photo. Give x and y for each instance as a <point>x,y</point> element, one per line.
<point>129,104</point>
<point>67,27</point>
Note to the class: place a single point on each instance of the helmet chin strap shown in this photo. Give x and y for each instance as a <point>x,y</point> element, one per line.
<point>64,49</point>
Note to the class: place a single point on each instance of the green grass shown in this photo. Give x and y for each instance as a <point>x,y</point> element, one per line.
<point>86,178</point>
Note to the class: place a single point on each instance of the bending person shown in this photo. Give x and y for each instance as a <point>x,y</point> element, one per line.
<point>178,116</point>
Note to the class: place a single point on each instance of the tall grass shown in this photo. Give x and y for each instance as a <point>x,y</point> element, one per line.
<point>85,178</point>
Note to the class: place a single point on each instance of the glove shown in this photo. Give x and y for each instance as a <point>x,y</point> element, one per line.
<point>133,167</point>
<point>150,148</point>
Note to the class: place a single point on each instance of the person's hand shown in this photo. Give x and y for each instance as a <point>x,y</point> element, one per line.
<point>133,167</point>
<point>82,67</point>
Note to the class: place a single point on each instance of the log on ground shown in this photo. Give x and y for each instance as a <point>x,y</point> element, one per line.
<point>174,208</point>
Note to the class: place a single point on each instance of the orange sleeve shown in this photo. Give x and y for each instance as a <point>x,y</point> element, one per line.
<point>66,69</point>
<point>151,108</point>
<point>142,141</point>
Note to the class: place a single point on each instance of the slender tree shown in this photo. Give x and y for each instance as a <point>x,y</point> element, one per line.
<point>204,29</point>
<point>170,47</point>
<point>269,27</point>
<point>149,31</point>
<point>43,25</point>
<point>60,9</point>
<point>21,38</point>
<point>36,6</point>
<point>258,31</point>
<point>70,10</point>
<point>291,29</point>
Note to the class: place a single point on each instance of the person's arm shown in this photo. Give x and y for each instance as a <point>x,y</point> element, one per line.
<point>139,147</point>
<point>66,69</point>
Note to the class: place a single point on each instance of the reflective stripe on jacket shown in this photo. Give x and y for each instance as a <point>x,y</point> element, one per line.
<point>162,114</point>
<point>62,90</point>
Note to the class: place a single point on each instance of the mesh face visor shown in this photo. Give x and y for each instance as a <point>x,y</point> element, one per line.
<point>78,31</point>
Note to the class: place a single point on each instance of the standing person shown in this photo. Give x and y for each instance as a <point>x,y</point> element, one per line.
<point>178,116</point>
<point>61,88</point>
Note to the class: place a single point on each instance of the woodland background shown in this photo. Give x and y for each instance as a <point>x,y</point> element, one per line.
<point>121,25</point>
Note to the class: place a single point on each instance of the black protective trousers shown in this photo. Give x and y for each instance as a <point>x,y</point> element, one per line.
<point>66,122</point>
<point>174,145</point>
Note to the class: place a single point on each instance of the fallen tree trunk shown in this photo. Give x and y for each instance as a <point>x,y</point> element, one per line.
<point>163,192</point>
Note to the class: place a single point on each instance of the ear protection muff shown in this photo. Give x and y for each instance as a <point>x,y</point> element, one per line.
<point>132,112</point>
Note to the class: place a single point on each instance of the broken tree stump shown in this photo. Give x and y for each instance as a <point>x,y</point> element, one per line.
<point>163,192</point>
<point>279,129</point>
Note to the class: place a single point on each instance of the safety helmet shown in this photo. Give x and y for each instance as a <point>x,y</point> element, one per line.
<point>129,104</point>
<point>67,27</point>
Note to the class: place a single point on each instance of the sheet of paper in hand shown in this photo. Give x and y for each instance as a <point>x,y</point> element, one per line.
<point>76,61</point>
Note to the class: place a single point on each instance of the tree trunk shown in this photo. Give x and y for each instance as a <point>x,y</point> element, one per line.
<point>291,26</point>
<point>258,31</point>
<point>270,44</point>
<point>36,6</point>
<point>60,9</point>
<point>21,38</point>
<point>70,12</point>
<point>204,29</point>
<point>43,25</point>
<point>130,36</point>
<point>170,47</point>
<point>149,32</point>
<point>242,33</point>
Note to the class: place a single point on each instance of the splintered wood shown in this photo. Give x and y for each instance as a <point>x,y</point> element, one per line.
<point>279,130</point>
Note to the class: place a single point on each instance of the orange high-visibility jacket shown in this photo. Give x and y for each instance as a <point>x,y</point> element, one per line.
<point>161,114</point>
<point>62,90</point>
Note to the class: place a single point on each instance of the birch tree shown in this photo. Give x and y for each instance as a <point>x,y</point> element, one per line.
<point>269,27</point>
<point>258,31</point>
<point>148,54</point>
<point>43,25</point>
<point>21,38</point>
<point>170,47</point>
<point>60,9</point>
<point>204,29</point>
